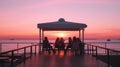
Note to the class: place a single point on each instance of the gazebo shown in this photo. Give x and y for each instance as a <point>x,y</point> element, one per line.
<point>60,25</point>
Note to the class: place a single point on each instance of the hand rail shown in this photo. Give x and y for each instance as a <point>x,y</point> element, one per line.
<point>12,56</point>
<point>103,48</point>
<point>95,47</point>
<point>16,49</point>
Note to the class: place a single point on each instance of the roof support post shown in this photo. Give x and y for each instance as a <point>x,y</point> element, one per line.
<point>83,35</point>
<point>79,33</point>
<point>42,35</point>
<point>0,47</point>
<point>40,46</point>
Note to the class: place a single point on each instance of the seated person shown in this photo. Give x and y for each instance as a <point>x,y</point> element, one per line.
<point>69,44</point>
<point>47,46</point>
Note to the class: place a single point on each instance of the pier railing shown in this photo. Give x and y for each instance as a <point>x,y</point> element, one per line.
<point>108,53</point>
<point>13,54</point>
<point>89,49</point>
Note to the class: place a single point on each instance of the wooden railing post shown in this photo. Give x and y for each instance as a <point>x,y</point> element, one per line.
<point>30,51</point>
<point>12,58</point>
<point>87,48</point>
<point>24,54</point>
<point>0,47</point>
<point>105,47</point>
<point>96,51</point>
<point>92,50</point>
<point>108,57</point>
<point>35,49</point>
<point>17,47</point>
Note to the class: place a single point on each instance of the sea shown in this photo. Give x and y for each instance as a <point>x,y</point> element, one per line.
<point>6,45</point>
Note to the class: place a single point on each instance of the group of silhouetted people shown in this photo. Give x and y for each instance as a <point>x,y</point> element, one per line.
<point>59,44</point>
<point>75,44</point>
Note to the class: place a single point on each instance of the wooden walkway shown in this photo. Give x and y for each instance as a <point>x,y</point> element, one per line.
<point>69,60</point>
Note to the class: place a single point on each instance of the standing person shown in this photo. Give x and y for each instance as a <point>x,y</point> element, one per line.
<point>80,45</point>
<point>69,44</point>
<point>75,45</point>
<point>47,46</point>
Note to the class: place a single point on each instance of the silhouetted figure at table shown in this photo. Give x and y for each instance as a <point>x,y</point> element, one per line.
<point>69,44</point>
<point>47,46</point>
<point>75,45</point>
<point>82,47</point>
<point>57,42</point>
<point>80,50</point>
<point>61,44</point>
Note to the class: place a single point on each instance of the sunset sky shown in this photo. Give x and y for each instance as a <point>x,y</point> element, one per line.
<point>19,18</point>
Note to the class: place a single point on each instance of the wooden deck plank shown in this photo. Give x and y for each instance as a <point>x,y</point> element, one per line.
<point>63,61</point>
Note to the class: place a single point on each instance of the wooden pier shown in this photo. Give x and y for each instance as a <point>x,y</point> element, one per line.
<point>91,58</point>
<point>63,61</point>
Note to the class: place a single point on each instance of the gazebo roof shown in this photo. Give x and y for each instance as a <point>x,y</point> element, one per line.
<point>61,24</point>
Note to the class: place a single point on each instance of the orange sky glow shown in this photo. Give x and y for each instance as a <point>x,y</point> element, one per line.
<point>19,18</point>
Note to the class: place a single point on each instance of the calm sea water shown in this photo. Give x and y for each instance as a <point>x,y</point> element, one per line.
<point>12,44</point>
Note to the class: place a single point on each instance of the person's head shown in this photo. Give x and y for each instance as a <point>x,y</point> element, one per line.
<point>74,38</point>
<point>61,39</point>
<point>69,38</point>
<point>78,39</point>
<point>46,38</point>
<point>57,38</point>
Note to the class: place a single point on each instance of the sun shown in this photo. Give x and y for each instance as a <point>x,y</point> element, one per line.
<point>61,35</point>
